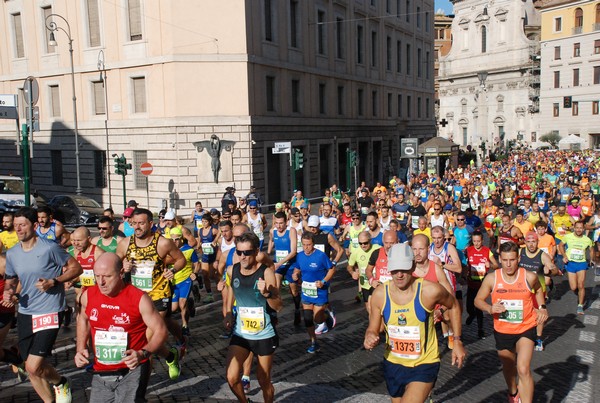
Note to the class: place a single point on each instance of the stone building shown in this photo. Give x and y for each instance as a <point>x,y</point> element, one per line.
<point>442,44</point>
<point>195,85</point>
<point>489,81</point>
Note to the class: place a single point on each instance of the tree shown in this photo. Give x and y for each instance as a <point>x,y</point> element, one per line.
<point>552,138</point>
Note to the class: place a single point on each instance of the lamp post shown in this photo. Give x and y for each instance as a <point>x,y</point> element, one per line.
<point>53,27</point>
<point>102,69</point>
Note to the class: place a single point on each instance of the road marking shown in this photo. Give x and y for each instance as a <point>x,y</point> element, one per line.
<point>587,336</point>
<point>590,320</point>
<point>586,356</point>
<point>581,391</point>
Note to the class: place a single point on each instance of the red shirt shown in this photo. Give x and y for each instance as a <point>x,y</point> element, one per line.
<point>112,320</point>
<point>4,309</point>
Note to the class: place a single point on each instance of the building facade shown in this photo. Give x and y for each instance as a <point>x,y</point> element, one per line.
<point>489,81</point>
<point>442,44</point>
<point>194,86</point>
<point>570,79</point>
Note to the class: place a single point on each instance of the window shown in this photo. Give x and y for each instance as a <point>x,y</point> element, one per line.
<point>339,38</point>
<point>46,11</point>
<point>374,104</point>
<point>408,58</point>
<point>407,10</point>
<point>296,96</point>
<point>595,107</point>
<point>268,12</point>
<point>419,107</point>
<point>321,32</point>
<point>340,100</point>
<point>388,53</point>
<point>389,104</point>
<point>322,99</point>
<point>427,74</point>
<point>360,44</point>
<point>418,17</point>
<point>576,49</point>
<point>575,108</point>
<point>54,101</point>
<point>388,6</point>
<point>596,74</point>
<point>139,94</point>
<point>99,101</point>
<point>597,15</point>
<point>134,10</point>
<point>399,105</point>
<point>57,167</point>
<point>557,53</point>
<point>426,21</point>
<point>361,102</point>
<point>18,35</point>
<point>483,39</point>
<point>100,168</point>
<point>139,157</point>
<point>597,44</point>
<point>398,8</point>
<point>398,56</point>
<point>408,106</point>
<point>294,23</point>
<point>93,20</point>
<point>557,24</point>
<point>427,112</point>
<point>557,79</point>
<point>555,110</point>
<point>270,90</point>
<point>578,18</point>
<point>465,135</point>
<point>419,63</point>
<point>575,77</point>
<point>463,106</point>
<point>373,49</point>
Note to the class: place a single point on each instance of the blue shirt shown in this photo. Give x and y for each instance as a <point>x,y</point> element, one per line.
<point>328,224</point>
<point>313,267</point>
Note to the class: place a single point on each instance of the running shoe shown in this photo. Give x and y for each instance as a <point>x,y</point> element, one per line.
<point>539,345</point>
<point>330,321</point>
<point>470,319</point>
<point>182,346</point>
<point>450,342</point>
<point>68,316</point>
<point>246,384</point>
<point>191,306</point>
<point>579,309</point>
<point>174,366</point>
<point>208,299</point>
<point>358,297</point>
<point>62,393</point>
<point>22,375</point>
<point>226,334</point>
<point>185,331</point>
<point>313,348</point>
<point>514,399</point>
<point>285,284</point>
<point>321,328</point>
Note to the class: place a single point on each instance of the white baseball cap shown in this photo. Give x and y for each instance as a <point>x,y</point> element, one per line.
<point>169,215</point>
<point>400,257</point>
<point>313,221</point>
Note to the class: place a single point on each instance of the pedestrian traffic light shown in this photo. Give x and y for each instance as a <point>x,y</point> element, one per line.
<point>121,165</point>
<point>298,159</point>
<point>353,158</point>
<point>567,101</point>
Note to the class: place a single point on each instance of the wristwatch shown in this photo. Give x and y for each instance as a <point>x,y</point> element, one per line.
<point>145,354</point>
<point>543,306</point>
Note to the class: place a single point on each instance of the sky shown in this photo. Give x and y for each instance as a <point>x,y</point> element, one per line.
<point>444,5</point>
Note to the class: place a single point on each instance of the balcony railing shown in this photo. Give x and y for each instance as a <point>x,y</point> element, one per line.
<point>596,26</point>
<point>577,30</point>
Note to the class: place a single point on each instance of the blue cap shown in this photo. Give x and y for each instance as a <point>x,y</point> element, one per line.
<point>304,205</point>
<point>253,203</point>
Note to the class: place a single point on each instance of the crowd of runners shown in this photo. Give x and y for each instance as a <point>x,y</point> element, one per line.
<point>495,235</point>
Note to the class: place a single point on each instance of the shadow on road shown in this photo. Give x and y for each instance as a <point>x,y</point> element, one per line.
<point>558,379</point>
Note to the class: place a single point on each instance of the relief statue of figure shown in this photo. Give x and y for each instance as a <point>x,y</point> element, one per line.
<point>214,147</point>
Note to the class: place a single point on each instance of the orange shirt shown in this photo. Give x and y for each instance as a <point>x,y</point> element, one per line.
<point>525,227</point>
<point>547,244</point>
<point>517,297</point>
<point>587,207</point>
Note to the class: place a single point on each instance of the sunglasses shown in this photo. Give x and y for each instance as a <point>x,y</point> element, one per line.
<point>355,216</point>
<point>460,219</point>
<point>103,228</point>
<point>363,243</point>
<point>244,252</point>
<point>437,209</point>
<point>175,239</point>
<point>448,239</point>
<point>252,208</point>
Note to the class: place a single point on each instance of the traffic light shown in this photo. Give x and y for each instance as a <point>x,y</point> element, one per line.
<point>298,159</point>
<point>567,101</point>
<point>353,158</point>
<point>121,165</point>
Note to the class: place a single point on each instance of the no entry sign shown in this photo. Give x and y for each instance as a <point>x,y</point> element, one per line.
<point>146,168</point>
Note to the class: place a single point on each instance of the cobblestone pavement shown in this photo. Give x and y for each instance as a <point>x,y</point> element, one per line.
<point>343,371</point>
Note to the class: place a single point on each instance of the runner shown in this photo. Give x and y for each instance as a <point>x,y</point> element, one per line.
<point>372,222</point>
<point>171,222</point>
<point>352,231</point>
<point>122,353</point>
<point>573,250</point>
<point>316,270</point>
<point>208,238</point>
<point>377,269</point>
<point>328,223</point>
<point>7,314</point>
<point>365,203</point>
<point>182,282</point>
<point>125,227</point>
<point>404,306</point>
<point>196,217</point>
<point>515,319</point>
<point>107,240</point>
<point>145,256</point>
<point>86,253</point>
<point>42,267</point>
<point>357,265</point>
<point>256,221</point>
<point>8,236</point>
<point>255,291</point>
<point>50,229</point>
<point>325,242</point>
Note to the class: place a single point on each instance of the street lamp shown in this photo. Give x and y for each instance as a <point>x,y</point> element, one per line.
<point>53,27</point>
<point>102,70</point>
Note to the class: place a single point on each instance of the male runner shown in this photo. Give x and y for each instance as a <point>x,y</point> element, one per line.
<point>50,229</point>
<point>8,236</point>
<point>374,229</point>
<point>405,305</point>
<point>515,319</point>
<point>114,319</point>
<point>182,283</point>
<point>377,270</point>
<point>357,265</point>
<point>107,240</point>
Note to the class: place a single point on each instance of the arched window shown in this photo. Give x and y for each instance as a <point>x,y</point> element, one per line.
<point>483,39</point>
<point>578,17</point>
<point>463,104</point>
<point>597,13</point>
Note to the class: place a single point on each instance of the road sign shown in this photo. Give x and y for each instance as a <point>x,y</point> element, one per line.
<point>35,90</point>
<point>146,168</point>
<point>408,148</point>
<point>284,147</point>
<point>8,100</point>
<point>8,112</point>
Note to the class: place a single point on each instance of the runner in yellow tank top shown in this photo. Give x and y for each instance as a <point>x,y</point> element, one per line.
<point>411,361</point>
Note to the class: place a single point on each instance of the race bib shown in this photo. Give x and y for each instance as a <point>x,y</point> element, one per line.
<point>400,216</point>
<point>320,247</point>
<point>415,221</point>
<point>545,250</point>
<point>259,233</point>
<point>280,255</point>
<point>364,210</point>
<point>404,341</point>
<point>253,319</point>
<point>541,203</point>
<point>354,242</point>
<point>514,311</point>
<point>585,210</point>
<point>478,271</point>
<point>87,278</point>
<point>44,322</point>
<point>110,346</point>
<point>576,254</point>
<point>207,248</point>
<point>141,276</point>
<point>199,224</point>
<point>309,289</point>
<point>507,200</point>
